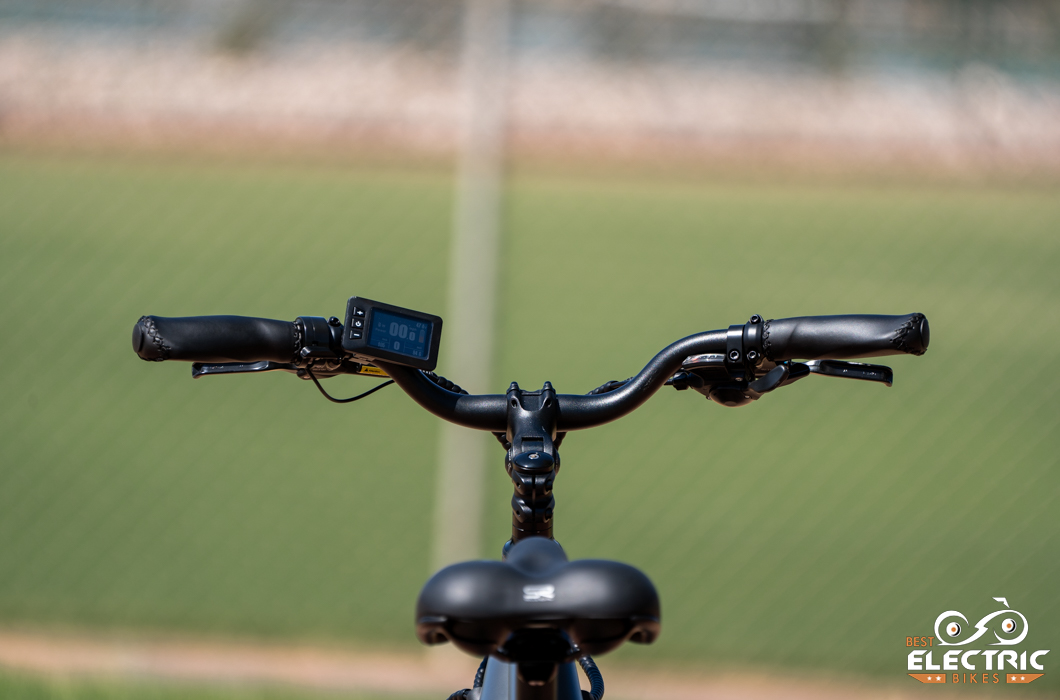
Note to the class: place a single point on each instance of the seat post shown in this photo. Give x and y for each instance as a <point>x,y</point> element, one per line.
<point>532,459</point>
<point>536,681</point>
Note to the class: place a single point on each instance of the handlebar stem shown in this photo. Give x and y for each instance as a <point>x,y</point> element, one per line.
<point>532,459</point>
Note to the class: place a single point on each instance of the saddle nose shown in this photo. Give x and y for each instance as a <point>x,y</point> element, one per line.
<point>488,607</point>
<point>536,556</point>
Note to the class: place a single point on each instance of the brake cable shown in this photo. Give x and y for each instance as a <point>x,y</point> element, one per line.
<point>437,379</point>
<point>329,397</point>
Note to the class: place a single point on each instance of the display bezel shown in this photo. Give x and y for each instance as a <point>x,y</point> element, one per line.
<point>362,351</point>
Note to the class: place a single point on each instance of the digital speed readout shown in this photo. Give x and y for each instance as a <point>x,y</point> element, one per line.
<point>400,334</point>
<point>378,333</point>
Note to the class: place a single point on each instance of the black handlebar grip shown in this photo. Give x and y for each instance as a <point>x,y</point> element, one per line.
<point>844,337</point>
<point>214,339</point>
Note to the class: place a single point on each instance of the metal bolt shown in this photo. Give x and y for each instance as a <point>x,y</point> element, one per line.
<point>734,355</point>
<point>752,356</point>
<point>534,455</point>
<point>756,319</point>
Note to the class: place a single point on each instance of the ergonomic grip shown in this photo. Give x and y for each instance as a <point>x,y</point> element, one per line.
<point>214,339</point>
<point>844,337</point>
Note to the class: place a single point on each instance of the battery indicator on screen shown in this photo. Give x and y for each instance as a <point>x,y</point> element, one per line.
<point>399,334</point>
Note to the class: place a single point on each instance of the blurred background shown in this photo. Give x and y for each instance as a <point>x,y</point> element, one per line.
<point>575,183</point>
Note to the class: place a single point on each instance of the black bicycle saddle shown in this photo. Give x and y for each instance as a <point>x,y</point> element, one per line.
<point>537,603</point>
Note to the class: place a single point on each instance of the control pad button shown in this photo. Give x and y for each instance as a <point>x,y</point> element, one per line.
<point>355,335</point>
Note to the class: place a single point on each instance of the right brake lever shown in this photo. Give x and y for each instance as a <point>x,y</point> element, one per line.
<point>708,375</point>
<point>852,370</point>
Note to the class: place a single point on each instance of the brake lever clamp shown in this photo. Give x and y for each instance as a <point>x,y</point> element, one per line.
<point>743,349</point>
<point>320,349</point>
<point>731,379</point>
<point>320,343</point>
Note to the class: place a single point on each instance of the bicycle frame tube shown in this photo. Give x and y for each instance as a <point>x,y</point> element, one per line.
<point>502,683</point>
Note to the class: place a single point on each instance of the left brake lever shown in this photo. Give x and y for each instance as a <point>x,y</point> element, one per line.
<point>201,369</point>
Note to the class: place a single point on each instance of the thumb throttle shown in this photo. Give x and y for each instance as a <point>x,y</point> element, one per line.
<point>770,380</point>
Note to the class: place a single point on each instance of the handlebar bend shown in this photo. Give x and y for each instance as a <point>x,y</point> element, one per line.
<point>576,411</point>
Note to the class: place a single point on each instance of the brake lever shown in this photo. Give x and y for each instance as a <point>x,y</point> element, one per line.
<point>202,369</point>
<point>852,370</point>
<point>708,375</point>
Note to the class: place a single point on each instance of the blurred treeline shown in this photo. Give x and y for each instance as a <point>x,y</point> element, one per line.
<point>1020,37</point>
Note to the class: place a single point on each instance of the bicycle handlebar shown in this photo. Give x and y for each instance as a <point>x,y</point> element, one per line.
<point>243,339</point>
<point>576,411</point>
<point>844,337</point>
<point>215,339</point>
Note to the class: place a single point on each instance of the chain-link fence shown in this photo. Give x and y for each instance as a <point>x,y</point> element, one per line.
<point>669,167</point>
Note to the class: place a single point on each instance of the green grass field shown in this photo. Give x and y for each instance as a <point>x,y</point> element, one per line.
<point>22,687</point>
<point>815,529</point>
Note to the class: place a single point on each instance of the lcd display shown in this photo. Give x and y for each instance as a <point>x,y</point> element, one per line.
<point>400,334</point>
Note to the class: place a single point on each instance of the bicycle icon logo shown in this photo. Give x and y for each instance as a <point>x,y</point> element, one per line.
<point>1008,625</point>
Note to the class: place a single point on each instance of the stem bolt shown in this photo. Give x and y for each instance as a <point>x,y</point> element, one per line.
<point>756,319</point>
<point>734,355</point>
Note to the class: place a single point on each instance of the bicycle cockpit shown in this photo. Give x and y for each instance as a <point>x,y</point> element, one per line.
<point>534,613</point>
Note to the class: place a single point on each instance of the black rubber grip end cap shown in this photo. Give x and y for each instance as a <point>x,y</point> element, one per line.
<point>914,335</point>
<point>143,342</point>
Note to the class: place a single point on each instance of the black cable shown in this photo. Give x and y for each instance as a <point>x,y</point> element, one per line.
<point>443,382</point>
<point>502,438</point>
<point>327,396</point>
<point>596,681</point>
<point>480,675</point>
<point>609,386</point>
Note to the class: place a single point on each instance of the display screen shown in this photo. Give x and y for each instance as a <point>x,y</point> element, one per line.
<point>400,334</point>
